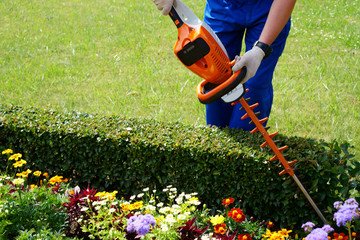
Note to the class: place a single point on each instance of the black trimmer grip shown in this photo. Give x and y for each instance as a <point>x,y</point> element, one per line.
<point>175,17</point>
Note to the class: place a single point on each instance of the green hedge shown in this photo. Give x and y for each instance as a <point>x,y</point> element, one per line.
<point>114,153</point>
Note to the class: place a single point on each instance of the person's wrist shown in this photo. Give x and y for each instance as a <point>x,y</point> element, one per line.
<point>264,47</point>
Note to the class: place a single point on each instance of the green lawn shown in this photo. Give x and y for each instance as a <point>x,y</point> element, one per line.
<point>116,57</point>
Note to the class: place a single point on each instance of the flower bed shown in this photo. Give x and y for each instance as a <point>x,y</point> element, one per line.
<point>34,205</point>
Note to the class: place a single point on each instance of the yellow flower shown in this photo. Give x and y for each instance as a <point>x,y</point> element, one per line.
<point>276,236</point>
<point>45,174</point>
<point>107,195</point>
<point>71,192</point>
<point>24,174</point>
<point>218,219</point>
<point>7,151</point>
<point>284,232</point>
<point>55,179</point>
<point>18,181</point>
<point>130,207</point>
<point>15,156</point>
<point>37,173</point>
<point>32,186</point>
<point>19,163</point>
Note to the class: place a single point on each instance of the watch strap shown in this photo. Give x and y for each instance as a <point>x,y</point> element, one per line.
<point>265,47</point>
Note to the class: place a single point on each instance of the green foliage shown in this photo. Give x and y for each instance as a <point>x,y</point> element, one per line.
<point>111,152</point>
<point>24,211</point>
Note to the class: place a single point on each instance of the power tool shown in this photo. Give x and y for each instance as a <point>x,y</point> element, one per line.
<point>201,51</point>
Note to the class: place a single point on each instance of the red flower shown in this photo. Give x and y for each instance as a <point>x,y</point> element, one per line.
<point>244,236</point>
<point>220,228</point>
<point>228,201</point>
<point>340,236</point>
<point>270,224</point>
<point>237,215</point>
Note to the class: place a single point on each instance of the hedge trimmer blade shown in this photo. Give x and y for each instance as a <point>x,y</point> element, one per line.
<point>278,151</point>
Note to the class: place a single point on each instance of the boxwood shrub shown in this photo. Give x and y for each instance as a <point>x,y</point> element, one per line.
<point>124,154</point>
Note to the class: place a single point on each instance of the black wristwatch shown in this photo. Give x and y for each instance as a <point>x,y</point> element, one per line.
<point>266,48</point>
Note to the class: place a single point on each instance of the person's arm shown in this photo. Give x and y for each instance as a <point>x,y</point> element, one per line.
<point>278,16</point>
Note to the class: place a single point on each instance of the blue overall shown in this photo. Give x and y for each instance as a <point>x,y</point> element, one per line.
<point>231,20</point>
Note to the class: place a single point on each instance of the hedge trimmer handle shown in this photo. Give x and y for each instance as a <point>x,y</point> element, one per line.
<point>208,92</point>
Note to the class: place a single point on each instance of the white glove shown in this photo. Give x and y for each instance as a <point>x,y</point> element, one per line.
<point>251,60</point>
<point>164,5</point>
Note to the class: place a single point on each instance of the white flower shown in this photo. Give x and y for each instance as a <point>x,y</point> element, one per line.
<point>181,217</point>
<point>79,220</point>
<point>111,210</point>
<point>187,196</point>
<point>150,207</point>
<point>164,227</point>
<point>173,189</point>
<point>164,210</point>
<point>132,197</point>
<point>145,189</point>
<point>179,200</point>
<point>97,207</point>
<point>160,204</point>
<point>84,209</point>
<point>140,195</point>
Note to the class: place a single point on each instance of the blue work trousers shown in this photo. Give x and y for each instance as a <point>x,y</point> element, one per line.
<point>232,20</point>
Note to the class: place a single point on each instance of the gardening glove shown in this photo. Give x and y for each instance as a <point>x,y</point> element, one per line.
<point>164,5</point>
<point>251,60</point>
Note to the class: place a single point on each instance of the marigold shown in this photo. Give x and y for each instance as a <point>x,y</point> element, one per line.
<point>220,228</point>
<point>130,207</point>
<point>32,186</point>
<point>216,220</point>
<point>7,151</point>
<point>15,156</point>
<point>19,163</point>
<point>244,236</point>
<point>228,201</point>
<point>270,224</point>
<point>37,173</point>
<point>107,195</point>
<point>285,232</point>
<point>237,215</point>
<point>24,174</point>
<point>55,179</point>
<point>45,174</point>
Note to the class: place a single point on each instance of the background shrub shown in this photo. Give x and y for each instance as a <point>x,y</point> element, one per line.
<point>114,153</point>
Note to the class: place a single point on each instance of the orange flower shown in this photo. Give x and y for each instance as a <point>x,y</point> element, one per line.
<point>228,201</point>
<point>220,228</point>
<point>340,236</point>
<point>56,179</point>
<point>244,236</point>
<point>237,215</point>
<point>270,224</point>
<point>45,174</point>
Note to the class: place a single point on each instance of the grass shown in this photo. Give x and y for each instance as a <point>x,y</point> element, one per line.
<point>116,57</point>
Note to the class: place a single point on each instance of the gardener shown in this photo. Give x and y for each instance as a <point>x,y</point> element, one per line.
<point>266,25</point>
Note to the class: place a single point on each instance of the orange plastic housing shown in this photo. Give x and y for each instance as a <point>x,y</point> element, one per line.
<point>210,62</point>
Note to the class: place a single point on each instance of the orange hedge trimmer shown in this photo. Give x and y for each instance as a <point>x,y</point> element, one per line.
<point>201,51</point>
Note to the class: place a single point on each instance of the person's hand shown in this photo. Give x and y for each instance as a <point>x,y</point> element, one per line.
<point>164,5</point>
<point>251,60</point>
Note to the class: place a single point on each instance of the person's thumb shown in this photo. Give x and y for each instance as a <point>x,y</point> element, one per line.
<point>240,62</point>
